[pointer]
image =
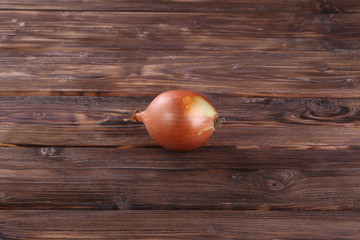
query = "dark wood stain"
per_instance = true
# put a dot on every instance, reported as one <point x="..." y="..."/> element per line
<point x="113" y="31"/>
<point x="284" y="76"/>
<point x="98" y="121"/>
<point x="208" y="178"/>
<point x="244" y="74"/>
<point x="180" y="225"/>
<point x="238" y="6"/>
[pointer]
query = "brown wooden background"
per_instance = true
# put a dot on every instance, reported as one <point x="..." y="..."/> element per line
<point x="284" y="74"/>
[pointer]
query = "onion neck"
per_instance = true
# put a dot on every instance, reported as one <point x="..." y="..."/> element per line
<point x="136" y="117"/>
<point x="218" y="121"/>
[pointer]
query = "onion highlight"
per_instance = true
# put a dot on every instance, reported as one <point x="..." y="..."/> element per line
<point x="179" y="120"/>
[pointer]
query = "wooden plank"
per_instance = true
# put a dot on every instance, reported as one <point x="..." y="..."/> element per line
<point x="94" y="72"/>
<point x="49" y="31"/>
<point x="97" y="121"/>
<point x="208" y="178"/>
<point x="178" y="225"/>
<point x="320" y="6"/>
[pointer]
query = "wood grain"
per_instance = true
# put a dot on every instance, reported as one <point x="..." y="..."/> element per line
<point x="283" y="74"/>
<point x="208" y="178"/>
<point x="112" y="54"/>
<point x="94" y="72"/>
<point x="259" y="122"/>
<point x="318" y="6"/>
<point x="49" y="31"/>
<point x="178" y="225"/>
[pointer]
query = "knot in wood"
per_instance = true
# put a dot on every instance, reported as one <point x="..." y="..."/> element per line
<point x="38" y="115"/>
<point x="349" y="81"/>
<point x="273" y="184"/>
<point x="21" y="24"/>
<point x="276" y="181"/>
<point x="325" y="108"/>
<point x="325" y="7"/>
<point x="48" y="151"/>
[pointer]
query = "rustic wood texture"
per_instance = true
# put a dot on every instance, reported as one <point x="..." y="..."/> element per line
<point x="112" y="54"/>
<point x="134" y="73"/>
<point x="284" y="75"/>
<point x="179" y="31"/>
<point x="209" y="178"/>
<point x="179" y="225"/>
<point x="315" y="6"/>
<point x="250" y="122"/>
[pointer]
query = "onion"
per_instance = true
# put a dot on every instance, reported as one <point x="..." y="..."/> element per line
<point x="179" y="120"/>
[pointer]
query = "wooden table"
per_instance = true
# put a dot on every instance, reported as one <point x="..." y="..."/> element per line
<point x="284" y="74"/>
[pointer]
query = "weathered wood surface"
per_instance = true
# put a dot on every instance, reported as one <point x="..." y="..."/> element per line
<point x="93" y="72"/>
<point x="112" y="54"/>
<point x="315" y="6"/>
<point x="208" y="178"/>
<point x="38" y="30"/>
<point x="284" y="75"/>
<point x="291" y="225"/>
<point x="250" y="122"/>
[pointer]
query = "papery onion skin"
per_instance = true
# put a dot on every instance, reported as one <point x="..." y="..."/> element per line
<point x="179" y="120"/>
